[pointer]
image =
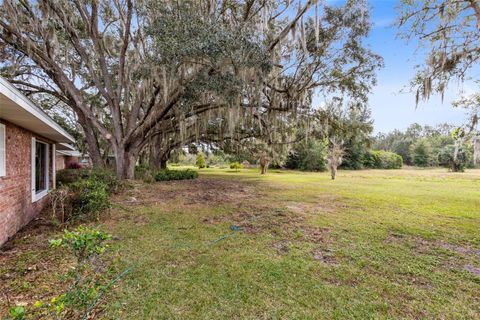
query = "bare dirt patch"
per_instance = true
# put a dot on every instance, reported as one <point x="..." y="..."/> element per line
<point x="324" y="256"/>
<point x="427" y="246"/>
<point x="473" y="270"/>
<point x="324" y="203"/>
<point x="316" y="235"/>
<point x="204" y="190"/>
<point x="464" y="250"/>
<point x="282" y="246"/>
<point x="458" y="257"/>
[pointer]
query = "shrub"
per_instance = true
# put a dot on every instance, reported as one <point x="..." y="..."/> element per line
<point x="67" y="176"/>
<point x="60" y="202"/>
<point x="382" y="160"/>
<point x="236" y="166"/>
<point x="214" y="160"/>
<point x="74" y="165"/>
<point x="106" y="176"/>
<point x="89" y="197"/>
<point x="445" y="158"/>
<point x="200" y="161"/>
<point x="308" y="156"/>
<point x="167" y="175"/>
<point x="140" y="171"/>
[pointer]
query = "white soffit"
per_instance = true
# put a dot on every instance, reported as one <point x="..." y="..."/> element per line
<point x="65" y="146"/>
<point x="19" y="110"/>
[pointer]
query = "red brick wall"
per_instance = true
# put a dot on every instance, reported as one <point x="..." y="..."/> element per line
<point x="16" y="207"/>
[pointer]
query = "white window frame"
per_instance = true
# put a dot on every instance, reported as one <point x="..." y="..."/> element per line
<point x="37" y="196"/>
<point x="3" y="150"/>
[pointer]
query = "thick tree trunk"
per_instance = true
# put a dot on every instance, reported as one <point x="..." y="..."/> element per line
<point x="125" y="162"/>
<point x="92" y="143"/>
<point x="163" y="164"/>
<point x="158" y="158"/>
<point x="264" y="161"/>
<point x="455" y="162"/>
<point x="158" y="161"/>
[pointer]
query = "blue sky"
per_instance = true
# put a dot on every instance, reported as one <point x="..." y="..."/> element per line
<point x="392" y="109"/>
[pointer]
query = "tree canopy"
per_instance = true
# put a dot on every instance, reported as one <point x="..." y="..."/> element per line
<point x="158" y="74"/>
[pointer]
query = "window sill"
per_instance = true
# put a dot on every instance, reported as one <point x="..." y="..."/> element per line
<point x="40" y="195"/>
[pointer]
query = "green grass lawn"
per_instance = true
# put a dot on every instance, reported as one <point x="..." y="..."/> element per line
<point x="370" y="245"/>
<point x="400" y="244"/>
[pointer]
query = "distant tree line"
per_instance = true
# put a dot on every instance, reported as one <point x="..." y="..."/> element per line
<point x="427" y="146"/>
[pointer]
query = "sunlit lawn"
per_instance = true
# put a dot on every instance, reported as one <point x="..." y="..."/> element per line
<point x="370" y="245"/>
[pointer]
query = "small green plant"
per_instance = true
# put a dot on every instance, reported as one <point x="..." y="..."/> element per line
<point x="85" y="278"/>
<point x="236" y="166"/>
<point x="16" y="313"/>
<point x="83" y="242"/>
<point x="167" y="175"/>
<point x="200" y="161"/>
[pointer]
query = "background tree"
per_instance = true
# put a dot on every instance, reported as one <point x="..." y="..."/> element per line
<point x="335" y="155"/>
<point x="308" y="155"/>
<point x="446" y="158"/>
<point x="420" y="152"/>
<point x="200" y="160"/>
<point x="400" y="142"/>
<point x="351" y="123"/>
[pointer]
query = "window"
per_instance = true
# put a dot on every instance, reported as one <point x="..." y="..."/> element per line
<point x="3" y="152"/>
<point x="39" y="169"/>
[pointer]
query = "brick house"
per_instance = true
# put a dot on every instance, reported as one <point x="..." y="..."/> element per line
<point x="66" y="155"/>
<point x="28" y="143"/>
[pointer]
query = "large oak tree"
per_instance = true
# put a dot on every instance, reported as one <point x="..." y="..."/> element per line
<point x="149" y="73"/>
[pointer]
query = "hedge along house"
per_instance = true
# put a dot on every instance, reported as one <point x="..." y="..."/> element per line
<point x="28" y="143"/>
